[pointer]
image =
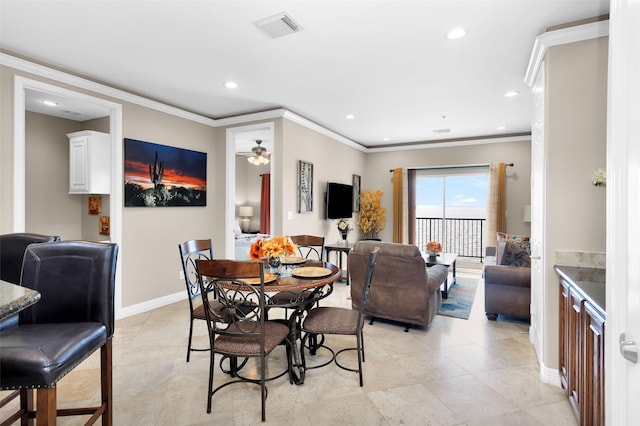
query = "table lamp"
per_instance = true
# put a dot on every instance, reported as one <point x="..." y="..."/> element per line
<point x="246" y="212"/>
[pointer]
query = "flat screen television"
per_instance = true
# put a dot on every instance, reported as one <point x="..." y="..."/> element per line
<point x="339" y="201"/>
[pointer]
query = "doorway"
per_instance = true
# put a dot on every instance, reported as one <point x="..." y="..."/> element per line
<point x="240" y="140"/>
<point x="23" y="87"/>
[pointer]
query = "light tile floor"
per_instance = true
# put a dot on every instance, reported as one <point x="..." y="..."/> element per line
<point x="457" y="372"/>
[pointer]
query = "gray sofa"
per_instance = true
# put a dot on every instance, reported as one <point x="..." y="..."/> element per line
<point x="403" y="289"/>
<point x="507" y="289"/>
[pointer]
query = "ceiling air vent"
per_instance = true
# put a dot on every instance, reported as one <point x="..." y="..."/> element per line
<point x="278" y="25"/>
<point x="441" y="130"/>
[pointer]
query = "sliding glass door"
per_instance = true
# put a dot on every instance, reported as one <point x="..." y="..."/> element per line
<point x="451" y="208"/>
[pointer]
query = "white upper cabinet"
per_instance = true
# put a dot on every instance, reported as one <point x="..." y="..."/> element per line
<point x="89" y="162"/>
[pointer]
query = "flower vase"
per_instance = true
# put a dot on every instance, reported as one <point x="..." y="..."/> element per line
<point x="275" y="263"/>
<point x="433" y="255"/>
<point x="344" y="239"/>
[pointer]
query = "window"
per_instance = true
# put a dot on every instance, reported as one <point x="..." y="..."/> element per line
<point x="451" y="208"/>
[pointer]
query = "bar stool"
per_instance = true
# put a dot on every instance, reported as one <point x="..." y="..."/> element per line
<point x="73" y="319"/>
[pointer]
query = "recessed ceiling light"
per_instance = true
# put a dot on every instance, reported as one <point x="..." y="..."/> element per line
<point x="385" y="139"/>
<point x="349" y="116"/>
<point x="456" y="34"/>
<point x="511" y="93"/>
<point x="502" y="127"/>
<point x="231" y="85"/>
<point x="49" y="103"/>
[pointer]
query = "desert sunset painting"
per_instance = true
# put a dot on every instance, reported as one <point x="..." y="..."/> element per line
<point x="159" y="175"/>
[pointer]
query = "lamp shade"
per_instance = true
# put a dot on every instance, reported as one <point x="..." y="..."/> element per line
<point x="245" y="211"/>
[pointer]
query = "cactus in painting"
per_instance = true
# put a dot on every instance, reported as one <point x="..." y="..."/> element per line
<point x="156" y="172"/>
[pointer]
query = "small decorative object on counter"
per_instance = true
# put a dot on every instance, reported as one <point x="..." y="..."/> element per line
<point x="433" y="248"/>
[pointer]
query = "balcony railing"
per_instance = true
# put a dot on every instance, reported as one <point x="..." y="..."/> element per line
<point x="465" y="237"/>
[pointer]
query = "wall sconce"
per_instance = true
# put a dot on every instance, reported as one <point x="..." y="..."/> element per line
<point x="527" y="213"/>
<point x="246" y="212"/>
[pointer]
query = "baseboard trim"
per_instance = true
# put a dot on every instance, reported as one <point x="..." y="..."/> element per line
<point x="550" y="376"/>
<point x="150" y="305"/>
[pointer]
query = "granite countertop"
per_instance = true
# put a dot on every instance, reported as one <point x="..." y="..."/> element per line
<point x="14" y="298"/>
<point x="590" y="280"/>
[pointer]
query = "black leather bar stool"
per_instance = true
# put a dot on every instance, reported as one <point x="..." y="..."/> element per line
<point x="74" y="318"/>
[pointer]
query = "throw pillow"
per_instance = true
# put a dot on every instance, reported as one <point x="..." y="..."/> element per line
<point x="517" y="253"/>
<point x="501" y="238"/>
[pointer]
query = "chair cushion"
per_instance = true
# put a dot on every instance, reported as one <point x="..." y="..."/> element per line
<point x="330" y="320"/>
<point x="38" y="355"/>
<point x="248" y="346"/>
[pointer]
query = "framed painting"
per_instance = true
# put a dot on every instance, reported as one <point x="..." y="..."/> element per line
<point x="356" y="192"/>
<point x="305" y="187"/>
<point x="163" y="176"/>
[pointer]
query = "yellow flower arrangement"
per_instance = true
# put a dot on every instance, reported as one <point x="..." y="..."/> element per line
<point x="372" y="214"/>
<point x="273" y="247"/>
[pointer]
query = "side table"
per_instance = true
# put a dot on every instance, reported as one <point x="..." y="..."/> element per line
<point x="340" y="249"/>
<point x="446" y="259"/>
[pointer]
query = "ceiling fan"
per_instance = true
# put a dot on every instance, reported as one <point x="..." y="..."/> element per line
<point x="258" y="155"/>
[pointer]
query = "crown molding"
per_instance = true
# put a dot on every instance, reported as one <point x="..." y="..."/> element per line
<point x="102" y="89"/>
<point x="559" y="37"/>
<point x="121" y="95"/>
<point x="452" y="143"/>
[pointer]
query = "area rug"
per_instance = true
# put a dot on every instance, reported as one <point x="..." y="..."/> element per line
<point x="460" y="300"/>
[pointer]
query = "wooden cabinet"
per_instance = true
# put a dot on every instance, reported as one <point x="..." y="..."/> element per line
<point x="582" y="327"/>
<point x="89" y="162"/>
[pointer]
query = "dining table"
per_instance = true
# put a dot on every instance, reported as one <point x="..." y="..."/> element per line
<point x="296" y="286"/>
<point x="14" y="298"/>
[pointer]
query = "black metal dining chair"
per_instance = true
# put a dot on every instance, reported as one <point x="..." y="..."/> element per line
<point x="239" y="329"/>
<point x="73" y="319"/>
<point x="309" y="246"/>
<point x="190" y="251"/>
<point x="333" y="320"/>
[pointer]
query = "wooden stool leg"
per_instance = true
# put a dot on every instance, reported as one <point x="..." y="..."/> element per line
<point x="106" y="381"/>
<point x="26" y="405"/>
<point x="46" y="406"/>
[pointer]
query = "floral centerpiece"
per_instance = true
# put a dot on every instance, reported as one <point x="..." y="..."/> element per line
<point x="272" y="248"/>
<point x="372" y="214"/>
<point x="433" y="248"/>
<point x="344" y="227"/>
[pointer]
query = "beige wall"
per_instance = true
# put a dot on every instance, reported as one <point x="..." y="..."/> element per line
<point x="575" y="138"/>
<point x="148" y="255"/>
<point x="332" y="162"/>
<point x="150" y="262"/>
<point x="49" y="207"/>
<point x="377" y="175"/>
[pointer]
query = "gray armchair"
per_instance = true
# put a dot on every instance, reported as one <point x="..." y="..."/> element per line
<point x="507" y="289"/>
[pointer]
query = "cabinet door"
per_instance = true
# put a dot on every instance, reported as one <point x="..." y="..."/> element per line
<point x="576" y="343"/>
<point x="593" y="398"/>
<point x="565" y="309"/>
<point x="79" y="165"/>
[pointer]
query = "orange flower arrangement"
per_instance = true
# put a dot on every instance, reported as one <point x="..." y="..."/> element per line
<point x="434" y="247"/>
<point x="273" y="247"/>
